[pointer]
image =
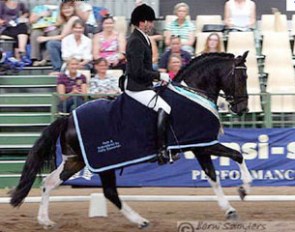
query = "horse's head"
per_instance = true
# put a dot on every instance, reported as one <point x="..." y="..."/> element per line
<point x="236" y="90"/>
<point x="212" y="72"/>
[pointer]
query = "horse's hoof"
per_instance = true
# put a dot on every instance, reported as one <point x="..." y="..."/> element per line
<point x="242" y="192"/>
<point x="48" y="227"/>
<point x="232" y="215"/>
<point x="143" y="225"/>
<point x="48" y="224"/>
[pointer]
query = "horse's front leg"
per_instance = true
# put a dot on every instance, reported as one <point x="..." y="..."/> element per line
<point x="208" y="167"/>
<point x="108" y="180"/>
<point x="221" y="150"/>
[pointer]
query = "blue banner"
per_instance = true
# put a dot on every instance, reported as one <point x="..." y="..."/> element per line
<point x="269" y="154"/>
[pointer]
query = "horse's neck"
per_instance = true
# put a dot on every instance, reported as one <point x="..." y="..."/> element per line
<point x="205" y="85"/>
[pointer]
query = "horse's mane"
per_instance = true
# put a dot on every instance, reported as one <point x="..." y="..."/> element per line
<point x="210" y="60"/>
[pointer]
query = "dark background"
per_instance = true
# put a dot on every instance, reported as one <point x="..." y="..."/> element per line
<point x="211" y="7"/>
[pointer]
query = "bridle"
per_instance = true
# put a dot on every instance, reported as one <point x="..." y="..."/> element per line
<point x="233" y="98"/>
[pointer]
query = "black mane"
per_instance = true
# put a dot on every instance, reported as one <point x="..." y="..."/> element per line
<point x="203" y="63"/>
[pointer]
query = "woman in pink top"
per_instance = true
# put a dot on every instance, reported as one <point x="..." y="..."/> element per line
<point x="109" y="44"/>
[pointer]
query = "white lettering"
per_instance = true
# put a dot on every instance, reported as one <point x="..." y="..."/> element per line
<point x="263" y="147"/>
<point x="291" y="150"/>
<point x="288" y="174"/>
<point x="249" y="151"/>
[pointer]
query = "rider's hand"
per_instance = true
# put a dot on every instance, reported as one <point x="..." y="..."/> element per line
<point x="165" y="77"/>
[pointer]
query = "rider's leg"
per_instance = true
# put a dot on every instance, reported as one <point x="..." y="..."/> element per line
<point x="158" y="104"/>
<point x="162" y="133"/>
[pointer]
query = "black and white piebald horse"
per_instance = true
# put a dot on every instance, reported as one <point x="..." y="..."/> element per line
<point x="204" y="77"/>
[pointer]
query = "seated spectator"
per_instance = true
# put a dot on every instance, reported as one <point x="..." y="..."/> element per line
<point x="43" y="19"/>
<point x="240" y="15"/>
<point x="77" y="45"/>
<point x="71" y="82"/>
<point x="102" y="83"/>
<point x="85" y="12"/>
<point x="66" y="19"/>
<point x="13" y="19"/>
<point x="174" y="65"/>
<point x="175" y="48"/>
<point x="213" y="43"/>
<point x="155" y="53"/>
<point x="110" y="45"/>
<point x="183" y="27"/>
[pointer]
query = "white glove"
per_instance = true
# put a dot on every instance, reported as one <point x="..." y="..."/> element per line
<point x="165" y="77"/>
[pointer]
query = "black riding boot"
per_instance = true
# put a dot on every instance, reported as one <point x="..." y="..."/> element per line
<point x="162" y="132"/>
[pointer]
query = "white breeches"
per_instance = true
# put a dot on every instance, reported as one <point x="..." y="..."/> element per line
<point x="147" y="98"/>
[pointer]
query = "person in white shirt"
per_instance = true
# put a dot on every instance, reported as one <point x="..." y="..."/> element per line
<point x="77" y="45"/>
<point x="240" y="15"/>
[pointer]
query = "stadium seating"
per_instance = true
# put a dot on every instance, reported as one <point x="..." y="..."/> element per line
<point x="273" y="23"/>
<point x="201" y="20"/>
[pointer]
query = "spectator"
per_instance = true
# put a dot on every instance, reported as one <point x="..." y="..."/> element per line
<point x="65" y="20"/>
<point x="77" y="45"/>
<point x="85" y="12"/>
<point x="102" y="83"/>
<point x="155" y="53"/>
<point x="71" y="82"/>
<point x="43" y="19"/>
<point x="175" y="45"/>
<point x="138" y="2"/>
<point x="110" y="44"/>
<point x="240" y="15"/>
<point x="182" y="27"/>
<point x="174" y="65"/>
<point x="213" y="43"/>
<point x="13" y="19"/>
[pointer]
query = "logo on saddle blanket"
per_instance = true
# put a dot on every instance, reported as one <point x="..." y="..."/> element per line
<point x="108" y="146"/>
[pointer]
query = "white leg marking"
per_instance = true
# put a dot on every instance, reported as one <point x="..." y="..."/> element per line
<point x="222" y="201"/>
<point x="133" y="216"/>
<point x="245" y="176"/>
<point x="50" y="183"/>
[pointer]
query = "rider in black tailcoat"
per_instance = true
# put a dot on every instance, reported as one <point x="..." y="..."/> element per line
<point x="140" y="74"/>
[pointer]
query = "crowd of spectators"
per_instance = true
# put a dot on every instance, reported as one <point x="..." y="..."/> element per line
<point x="70" y="38"/>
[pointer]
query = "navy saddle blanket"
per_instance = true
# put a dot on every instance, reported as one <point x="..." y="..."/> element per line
<point x="114" y="134"/>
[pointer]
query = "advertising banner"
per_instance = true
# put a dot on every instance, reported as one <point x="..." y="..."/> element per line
<point x="269" y="154"/>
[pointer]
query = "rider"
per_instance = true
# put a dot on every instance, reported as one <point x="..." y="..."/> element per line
<point x="140" y="74"/>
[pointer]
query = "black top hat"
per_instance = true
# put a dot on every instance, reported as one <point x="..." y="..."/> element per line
<point x="142" y="13"/>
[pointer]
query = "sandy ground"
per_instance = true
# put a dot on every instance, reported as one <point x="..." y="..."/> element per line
<point x="163" y="216"/>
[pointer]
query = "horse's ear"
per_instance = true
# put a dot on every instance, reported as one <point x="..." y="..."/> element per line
<point x="244" y="56"/>
<point x="242" y="59"/>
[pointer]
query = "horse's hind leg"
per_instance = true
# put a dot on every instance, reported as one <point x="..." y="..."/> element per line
<point x="208" y="167"/>
<point x="221" y="150"/>
<point x="108" y="180"/>
<point x="65" y="170"/>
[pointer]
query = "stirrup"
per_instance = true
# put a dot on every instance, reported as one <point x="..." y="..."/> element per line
<point x="163" y="157"/>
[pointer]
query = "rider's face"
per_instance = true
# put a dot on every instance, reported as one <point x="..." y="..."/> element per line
<point x="148" y="26"/>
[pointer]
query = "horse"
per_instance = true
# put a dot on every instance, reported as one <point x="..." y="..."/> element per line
<point x="205" y="75"/>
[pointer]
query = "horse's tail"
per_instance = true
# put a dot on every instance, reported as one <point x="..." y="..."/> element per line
<point x="40" y="155"/>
